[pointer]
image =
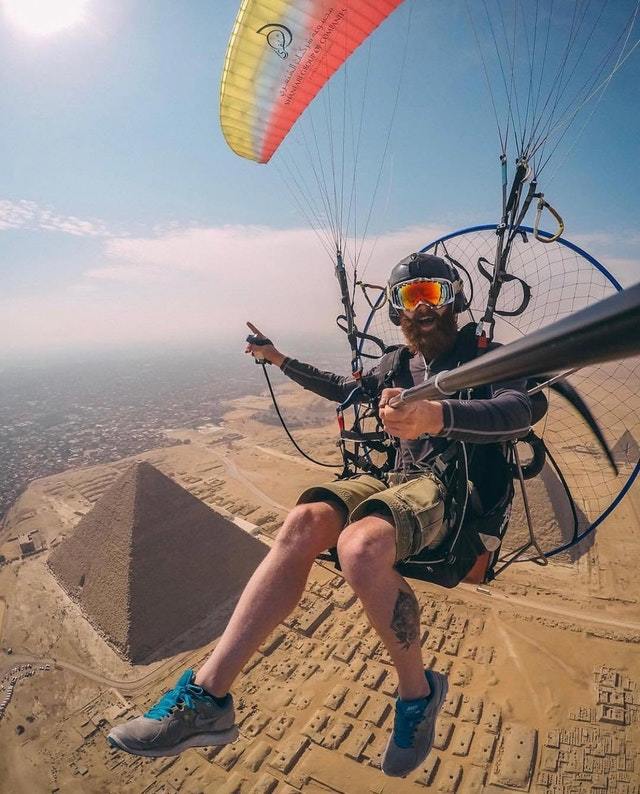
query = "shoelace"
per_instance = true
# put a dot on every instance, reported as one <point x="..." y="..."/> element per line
<point x="408" y="717"/>
<point x="182" y="694"/>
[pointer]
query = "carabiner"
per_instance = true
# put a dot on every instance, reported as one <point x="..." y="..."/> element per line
<point x="542" y="204"/>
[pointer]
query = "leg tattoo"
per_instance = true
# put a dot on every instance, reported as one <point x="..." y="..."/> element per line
<point x="406" y="619"/>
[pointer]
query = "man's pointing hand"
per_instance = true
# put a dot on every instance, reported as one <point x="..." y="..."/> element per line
<point x="267" y="352"/>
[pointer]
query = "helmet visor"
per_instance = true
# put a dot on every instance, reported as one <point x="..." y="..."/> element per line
<point x="433" y="291"/>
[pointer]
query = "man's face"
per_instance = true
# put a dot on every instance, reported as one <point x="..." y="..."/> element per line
<point x="429" y="330"/>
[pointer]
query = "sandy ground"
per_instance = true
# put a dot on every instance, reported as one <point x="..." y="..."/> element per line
<point x="535" y="660"/>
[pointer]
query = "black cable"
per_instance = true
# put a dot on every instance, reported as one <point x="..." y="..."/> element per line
<point x="286" y="429"/>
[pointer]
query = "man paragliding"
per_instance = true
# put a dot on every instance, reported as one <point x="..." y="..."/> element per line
<point x="443" y="503"/>
<point x="446" y="497"/>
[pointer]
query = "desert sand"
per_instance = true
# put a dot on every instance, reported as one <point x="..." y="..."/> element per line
<point x="543" y="663"/>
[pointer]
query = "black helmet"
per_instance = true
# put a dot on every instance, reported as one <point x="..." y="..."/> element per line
<point x="425" y="266"/>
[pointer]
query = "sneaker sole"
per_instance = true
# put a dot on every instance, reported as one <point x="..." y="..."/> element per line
<point x="197" y="740"/>
<point x="441" y="699"/>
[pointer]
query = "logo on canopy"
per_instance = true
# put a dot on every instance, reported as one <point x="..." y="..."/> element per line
<point x="279" y="37"/>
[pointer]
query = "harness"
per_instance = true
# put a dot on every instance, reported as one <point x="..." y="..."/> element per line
<point x="472" y="528"/>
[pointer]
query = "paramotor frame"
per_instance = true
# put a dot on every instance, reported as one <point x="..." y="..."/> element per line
<point x="562" y="278"/>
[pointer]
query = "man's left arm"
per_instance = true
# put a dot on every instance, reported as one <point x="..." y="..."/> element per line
<point x="505" y="416"/>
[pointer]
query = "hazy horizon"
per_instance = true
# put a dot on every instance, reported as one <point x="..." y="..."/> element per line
<point x="227" y="347"/>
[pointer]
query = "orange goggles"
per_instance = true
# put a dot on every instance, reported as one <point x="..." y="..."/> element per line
<point x="408" y="295"/>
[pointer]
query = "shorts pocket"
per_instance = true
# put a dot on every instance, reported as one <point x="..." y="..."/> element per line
<point x="430" y="527"/>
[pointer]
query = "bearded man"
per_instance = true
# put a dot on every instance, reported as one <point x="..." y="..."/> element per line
<point x="376" y="526"/>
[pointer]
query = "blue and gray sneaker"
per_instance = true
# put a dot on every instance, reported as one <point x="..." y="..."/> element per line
<point x="186" y="716"/>
<point x="414" y="728"/>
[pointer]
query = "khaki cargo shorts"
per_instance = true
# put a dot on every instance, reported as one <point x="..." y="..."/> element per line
<point x="416" y="505"/>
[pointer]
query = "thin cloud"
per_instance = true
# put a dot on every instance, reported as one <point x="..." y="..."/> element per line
<point x="626" y="271"/>
<point x="195" y="283"/>
<point x="14" y="214"/>
<point x="248" y="249"/>
<point x="25" y="214"/>
<point x="608" y="240"/>
<point x="616" y="251"/>
<point x="124" y="274"/>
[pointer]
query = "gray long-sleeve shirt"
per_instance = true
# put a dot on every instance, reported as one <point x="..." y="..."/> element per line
<point x="505" y="414"/>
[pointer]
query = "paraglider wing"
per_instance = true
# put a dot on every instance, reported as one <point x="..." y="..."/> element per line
<point x="279" y="56"/>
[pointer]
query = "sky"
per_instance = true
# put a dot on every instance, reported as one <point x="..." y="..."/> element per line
<point x="125" y="218"/>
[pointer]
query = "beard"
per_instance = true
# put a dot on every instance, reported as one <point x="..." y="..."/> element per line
<point x="429" y="332"/>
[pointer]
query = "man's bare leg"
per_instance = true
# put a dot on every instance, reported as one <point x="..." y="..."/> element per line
<point x="367" y="550"/>
<point x="273" y="591"/>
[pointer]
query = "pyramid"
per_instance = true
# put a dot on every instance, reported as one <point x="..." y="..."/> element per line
<point x="150" y="561"/>
<point x="626" y="449"/>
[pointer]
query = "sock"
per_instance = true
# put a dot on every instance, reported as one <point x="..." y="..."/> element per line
<point x="417" y="701"/>
<point x="219" y="701"/>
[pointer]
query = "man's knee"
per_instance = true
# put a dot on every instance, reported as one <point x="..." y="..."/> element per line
<point x="311" y="528"/>
<point x="367" y="546"/>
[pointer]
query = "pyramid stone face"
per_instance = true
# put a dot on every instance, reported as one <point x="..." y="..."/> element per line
<point x="150" y="561"/>
<point x="626" y="450"/>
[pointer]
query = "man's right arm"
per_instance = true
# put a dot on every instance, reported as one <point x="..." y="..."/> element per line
<point x="325" y="384"/>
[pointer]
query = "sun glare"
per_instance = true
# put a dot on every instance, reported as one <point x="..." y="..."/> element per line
<point x="43" y="17"/>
